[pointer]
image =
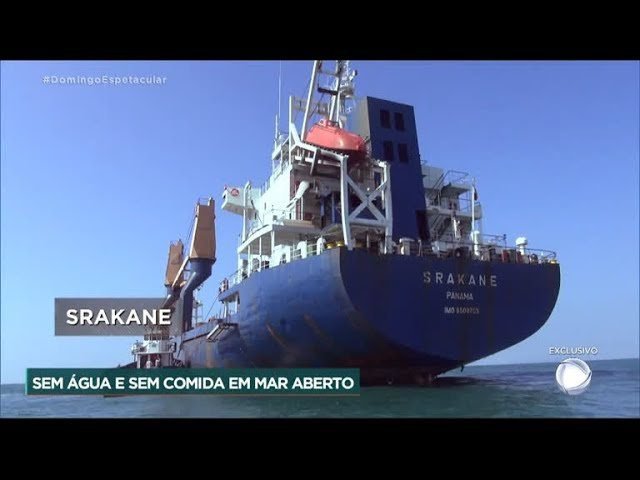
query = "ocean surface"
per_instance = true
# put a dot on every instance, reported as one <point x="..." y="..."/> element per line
<point x="500" y="391"/>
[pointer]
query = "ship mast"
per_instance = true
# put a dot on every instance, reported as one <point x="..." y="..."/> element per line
<point x="340" y="86"/>
<point x="370" y="216"/>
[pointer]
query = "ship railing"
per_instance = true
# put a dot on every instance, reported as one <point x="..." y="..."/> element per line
<point x="265" y="186"/>
<point x="455" y="176"/>
<point x="447" y="178"/>
<point x="233" y="279"/>
<point x="310" y="250"/>
<point x="281" y="212"/>
<point x="276" y="171"/>
<point x="494" y="248"/>
<point x="243" y="273"/>
<point x="489" y="239"/>
<point x="544" y="255"/>
<point x="465" y="205"/>
<point x="436" y="189"/>
<point x="512" y="254"/>
<point x="266" y="217"/>
<point x="252" y="226"/>
<point x="449" y="239"/>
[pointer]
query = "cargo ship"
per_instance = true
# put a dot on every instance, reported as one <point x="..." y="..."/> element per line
<point x="354" y="253"/>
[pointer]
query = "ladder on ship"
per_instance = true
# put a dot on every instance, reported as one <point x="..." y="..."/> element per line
<point x="220" y="329"/>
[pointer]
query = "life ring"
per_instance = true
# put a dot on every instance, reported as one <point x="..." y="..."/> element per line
<point x="234" y="192"/>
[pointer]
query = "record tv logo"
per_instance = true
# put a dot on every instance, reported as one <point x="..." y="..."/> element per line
<point x="573" y="376"/>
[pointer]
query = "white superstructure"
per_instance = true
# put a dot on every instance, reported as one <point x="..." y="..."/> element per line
<point x="305" y="202"/>
<point x="317" y="197"/>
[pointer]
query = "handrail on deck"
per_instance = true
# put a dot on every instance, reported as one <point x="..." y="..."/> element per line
<point x="493" y="252"/>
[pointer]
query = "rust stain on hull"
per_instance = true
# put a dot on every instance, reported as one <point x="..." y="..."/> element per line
<point x="279" y="340"/>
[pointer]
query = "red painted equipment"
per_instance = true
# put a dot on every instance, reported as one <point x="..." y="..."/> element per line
<point x="327" y="134"/>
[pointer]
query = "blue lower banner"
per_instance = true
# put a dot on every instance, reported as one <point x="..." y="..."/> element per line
<point x="182" y="381"/>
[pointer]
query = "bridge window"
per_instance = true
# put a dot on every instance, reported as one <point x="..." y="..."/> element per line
<point x="385" y="118"/>
<point x="387" y="147"/>
<point x="399" y="120"/>
<point x="403" y="153"/>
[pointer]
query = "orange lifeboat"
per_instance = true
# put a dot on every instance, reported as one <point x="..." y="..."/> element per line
<point x="327" y="134"/>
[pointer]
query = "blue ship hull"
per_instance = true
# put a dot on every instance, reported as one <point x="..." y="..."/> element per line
<point x="394" y="317"/>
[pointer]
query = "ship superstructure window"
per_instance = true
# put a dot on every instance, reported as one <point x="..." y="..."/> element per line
<point x="399" y="121"/>
<point x="403" y="152"/>
<point x="387" y="148"/>
<point x="377" y="179"/>
<point x="385" y="118"/>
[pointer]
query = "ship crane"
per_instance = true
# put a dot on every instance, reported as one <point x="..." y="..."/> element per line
<point x="202" y="256"/>
<point x="183" y="276"/>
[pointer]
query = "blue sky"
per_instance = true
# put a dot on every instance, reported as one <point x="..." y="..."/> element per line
<point x="97" y="180"/>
